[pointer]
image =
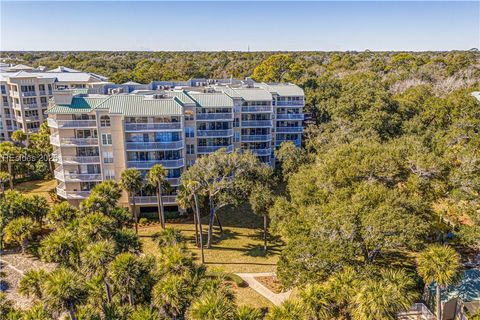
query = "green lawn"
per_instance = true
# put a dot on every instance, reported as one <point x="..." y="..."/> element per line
<point x="239" y="249"/>
<point x="39" y="187"/>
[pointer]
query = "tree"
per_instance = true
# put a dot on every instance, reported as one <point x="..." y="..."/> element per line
<point x="157" y="177"/>
<point x="277" y="68"/>
<point x="248" y="313"/>
<point x="19" y="136"/>
<point x="144" y="313"/>
<point x="439" y="264"/>
<point x="62" y="214"/>
<point x="291" y="159"/>
<point x="261" y="200"/>
<point x="9" y="154"/>
<point x="288" y="310"/>
<point x="210" y="306"/>
<point x="20" y="231"/>
<point x="103" y="198"/>
<point x="62" y="246"/>
<point x="96" y="227"/>
<point x="169" y="237"/>
<point x="31" y="283"/>
<point x="132" y="183"/>
<point x="64" y="290"/>
<point x="171" y="295"/>
<point x="4" y="177"/>
<point x="37" y="208"/>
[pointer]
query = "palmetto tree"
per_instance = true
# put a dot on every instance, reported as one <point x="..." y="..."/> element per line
<point x="157" y="176"/>
<point x="439" y="264"/>
<point x="4" y="177"/>
<point x="8" y="155"/>
<point x="64" y="290"/>
<point x="248" y="313"/>
<point x="19" y="230"/>
<point x="31" y="283"/>
<point x="171" y="295"/>
<point x="288" y="310"/>
<point x="212" y="306"/>
<point x="95" y="259"/>
<point x="132" y="183"/>
<point x="124" y="272"/>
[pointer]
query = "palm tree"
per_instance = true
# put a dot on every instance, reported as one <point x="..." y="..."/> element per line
<point x="37" y="312"/>
<point x="124" y="271"/>
<point x="171" y="295"/>
<point x="144" y="313"/>
<point x="212" y="306"/>
<point x="189" y="191"/>
<point x="439" y="264"/>
<point x="4" y="177"/>
<point x="31" y="283"/>
<point x="317" y="302"/>
<point x="157" y="177"/>
<point x="261" y="200"/>
<point x="19" y="230"/>
<point x="64" y="290"/>
<point x="248" y="313"/>
<point x="62" y="214"/>
<point x="169" y="237"/>
<point x="95" y="259"/>
<point x="288" y="310"/>
<point x="8" y="154"/>
<point x="132" y="183"/>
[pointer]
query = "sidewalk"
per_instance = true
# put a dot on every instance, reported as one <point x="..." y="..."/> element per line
<point x="275" y="298"/>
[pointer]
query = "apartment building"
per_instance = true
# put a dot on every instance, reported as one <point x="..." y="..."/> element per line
<point x="25" y="92"/>
<point x="97" y="136"/>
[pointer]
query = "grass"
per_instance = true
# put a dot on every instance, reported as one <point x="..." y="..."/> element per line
<point x="38" y="187"/>
<point x="238" y="249"/>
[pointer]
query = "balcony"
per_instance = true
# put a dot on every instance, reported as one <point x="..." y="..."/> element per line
<point x="289" y="129"/>
<point x="215" y="116"/>
<point x="76" y="159"/>
<point x="167" y="200"/>
<point x="12" y="128"/>
<point x="134" y="146"/>
<point x="76" y="177"/>
<point x="296" y="142"/>
<point x="72" y="195"/>
<point x="253" y="109"/>
<point x="29" y="94"/>
<point x="257" y="123"/>
<point x="290" y="116"/>
<point x="43" y="92"/>
<point x="147" y="164"/>
<point x="253" y="138"/>
<point x="52" y="123"/>
<point x="132" y="127"/>
<point x="261" y="152"/>
<point x="30" y="106"/>
<point x="73" y="142"/>
<point x="210" y="149"/>
<point x="32" y="118"/>
<point x="215" y="133"/>
<point x="44" y="104"/>
<point x="291" y="103"/>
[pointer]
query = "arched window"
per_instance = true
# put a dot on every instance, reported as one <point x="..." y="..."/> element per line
<point x="104" y="121"/>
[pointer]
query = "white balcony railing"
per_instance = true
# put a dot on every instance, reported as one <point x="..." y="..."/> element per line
<point x="78" y="159"/>
<point x="215" y="116"/>
<point x="73" y="142"/>
<point x="52" y="123"/>
<point x="30" y="106"/>
<point x="167" y="200"/>
<point x="250" y="109"/>
<point x="175" y="145"/>
<point x="261" y="152"/>
<point x="210" y="149"/>
<point x="29" y="94"/>
<point x="291" y="103"/>
<point x="257" y="123"/>
<point x="215" y="133"/>
<point x="263" y="137"/>
<point x="152" y="126"/>
<point x="291" y="116"/>
<point x="289" y="129"/>
<point x="73" y="195"/>
<point x="296" y="142"/>
<point x="177" y="163"/>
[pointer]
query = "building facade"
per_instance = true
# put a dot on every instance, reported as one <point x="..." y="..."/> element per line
<point x="25" y="94"/>
<point x="96" y="135"/>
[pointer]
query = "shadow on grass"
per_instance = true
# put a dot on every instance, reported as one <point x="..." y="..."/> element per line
<point x="258" y="250"/>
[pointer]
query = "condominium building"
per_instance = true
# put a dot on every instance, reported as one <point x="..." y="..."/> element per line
<point x="25" y="93"/>
<point x="96" y="135"/>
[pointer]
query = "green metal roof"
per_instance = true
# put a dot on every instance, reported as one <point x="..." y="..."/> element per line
<point x="212" y="99"/>
<point x="253" y="94"/>
<point x="283" y="89"/>
<point x="78" y="105"/>
<point x="181" y="95"/>
<point x="135" y="105"/>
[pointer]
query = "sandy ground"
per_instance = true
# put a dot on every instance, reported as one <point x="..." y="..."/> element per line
<point x="14" y="265"/>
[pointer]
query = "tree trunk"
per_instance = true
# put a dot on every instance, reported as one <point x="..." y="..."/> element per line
<point x="135" y="217"/>
<point x="130" y="298"/>
<point x="10" y="178"/>
<point x="161" y="214"/>
<point x="71" y="312"/>
<point x="107" y="291"/>
<point x="439" y="302"/>
<point x="265" y="232"/>
<point x="197" y="213"/>
<point x="196" y="226"/>
<point x="211" y="216"/>
<point x="219" y="223"/>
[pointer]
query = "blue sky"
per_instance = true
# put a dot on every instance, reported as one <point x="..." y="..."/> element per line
<point x="213" y="26"/>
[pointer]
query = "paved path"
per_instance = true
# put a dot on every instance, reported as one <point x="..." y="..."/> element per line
<point x="275" y="298"/>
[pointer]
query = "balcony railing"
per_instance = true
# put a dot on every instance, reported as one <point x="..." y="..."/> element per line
<point x="257" y="123"/>
<point x="215" y="133"/>
<point x="78" y="159"/>
<point x="72" y="194"/>
<point x="30" y="106"/>
<point x="29" y="94"/>
<point x="215" y="116"/>
<point x="72" y="176"/>
<point x="291" y="103"/>
<point x="52" y="123"/>
<point x="257" y="109"/>
<point x="296" y="142"/>
<point x="175" y="145"/>
<point x="152" y="126"/>
<point x="32" y="118"/>
<point x="290" y="116"/>
<point x="153" y="200"/>
<point x="289" y="129"/>
<point x="11" y="128"/>
<point x="262" y="137"/>
<point x="73" y="142"/>
<point x="177" y="163"/>
<point x="261" y="152"/>
<point x="210" y="149"/>
<point x="42" y="92"/>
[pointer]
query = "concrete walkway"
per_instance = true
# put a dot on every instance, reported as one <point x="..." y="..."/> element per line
<point x="275" y="298"/>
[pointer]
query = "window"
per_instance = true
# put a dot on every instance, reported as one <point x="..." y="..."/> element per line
<point x="190" y="149"/>
<point x="104" y="121"/>
<point x="106" y="139"/>
<point x="108" y="157"/>
<point x="189" y="132"/>
<point x="189" y="115"/>
<point x="110" y="174"/>
<point x="237" y="136"/>
<point x="3" y="89"/>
